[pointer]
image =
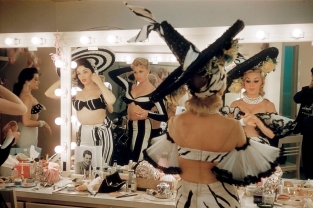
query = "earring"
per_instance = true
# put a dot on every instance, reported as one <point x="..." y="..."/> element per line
<point x="27" y="88"/>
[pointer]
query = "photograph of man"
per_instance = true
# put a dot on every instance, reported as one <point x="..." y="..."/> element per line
<point x="84" y="165"/>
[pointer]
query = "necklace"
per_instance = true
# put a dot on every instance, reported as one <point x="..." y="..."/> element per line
<point x="252" y="101"/>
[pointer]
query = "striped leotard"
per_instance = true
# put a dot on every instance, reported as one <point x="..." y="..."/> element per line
<point x="139" y="131"/>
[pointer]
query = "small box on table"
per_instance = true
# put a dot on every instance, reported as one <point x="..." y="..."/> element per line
<point x="26" y="169"/>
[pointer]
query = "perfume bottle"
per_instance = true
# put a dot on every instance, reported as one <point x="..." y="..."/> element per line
<point x="114" y="167"/>
<point x="130" y="179"/>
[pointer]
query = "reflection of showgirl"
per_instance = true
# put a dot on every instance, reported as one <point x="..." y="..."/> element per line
<point x="93" y="102"/>
<point x="257" y="115"/>
<point x="137" y="97"/>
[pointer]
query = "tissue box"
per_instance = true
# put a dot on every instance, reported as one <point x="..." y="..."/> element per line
<point x="143" y="184"/>
<point x="26" y="169"/>
<point x="15" y="151"/>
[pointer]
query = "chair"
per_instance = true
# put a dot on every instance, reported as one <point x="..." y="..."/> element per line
<point x="293" y="149"/>
<point x="9" y="198"/>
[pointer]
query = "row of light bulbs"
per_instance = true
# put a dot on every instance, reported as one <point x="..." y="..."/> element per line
<point x="296" y="33"/>
<point x="63" y="120"/>
<point x="41" y="41"/>
<point x="15" y="41"/>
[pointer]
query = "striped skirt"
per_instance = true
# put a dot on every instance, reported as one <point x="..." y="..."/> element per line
<point x="196" y="195"/>
<point x="98" y="135"/>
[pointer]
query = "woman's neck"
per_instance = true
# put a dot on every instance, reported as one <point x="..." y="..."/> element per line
<point x="252" y="100"/>
<point x="26" y="91"/>
<point x="252" y="96"/>
<point x="90" y="86"/>
<point x="144" y="83"/>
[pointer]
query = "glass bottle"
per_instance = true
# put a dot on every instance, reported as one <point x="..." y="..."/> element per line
<point x="26" y="153"/>
<point x="31" y="170"/>
<point x="130" y="179"/>
<point x="114" y="167"/>
<point x="14" y="173"/>
<point x="133" y="184"/>
<point x="130" y="165"/>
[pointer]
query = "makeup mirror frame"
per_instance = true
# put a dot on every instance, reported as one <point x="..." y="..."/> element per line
<point x="201" y="37"/>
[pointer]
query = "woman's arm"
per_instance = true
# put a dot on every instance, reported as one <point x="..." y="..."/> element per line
<point x="50" y="91"/>
<point x="238" y="135"/>
<point x="26" y="117"/>
<point x="108" y="96"/>
<point x="115" y="76"/>
<point x="161" y="115"/>
<point x="10" y="103"/>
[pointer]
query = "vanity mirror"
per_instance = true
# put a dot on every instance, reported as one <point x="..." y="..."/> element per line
<point x="13" y="60"/>
<point x="276" y="35"/>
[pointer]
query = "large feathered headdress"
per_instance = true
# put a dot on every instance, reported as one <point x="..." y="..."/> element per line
<point x="208" y="63"/>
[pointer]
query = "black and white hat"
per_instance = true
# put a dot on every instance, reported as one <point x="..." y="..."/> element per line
<point x="208" y="63"/>
<point x="264" y="60"/>
<point x="100" y="59"/>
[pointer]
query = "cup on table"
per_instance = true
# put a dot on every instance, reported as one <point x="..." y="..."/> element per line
<point x="250" y="190"/>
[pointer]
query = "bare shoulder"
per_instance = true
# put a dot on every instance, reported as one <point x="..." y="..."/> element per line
<point x="269" y="106"/>
<point x="236" y="103"/>
<point x="26" y="97"/>
<point x="226" y="121"/>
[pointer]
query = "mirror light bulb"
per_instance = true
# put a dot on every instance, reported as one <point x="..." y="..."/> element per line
<point x="73" y="91"/>
<point x="58" y="92"/>
<point x="84" y="40"/>
<point x="73" y="119"/>
<point x="36" y="40"/>
<point x="73" y="145"/>
<point x="112" y="39"/>
<point x="59" y="121"/>
<point x="260" y="35"/>
<point x="59" y="149"/>
<point x="297" y="33"/>
<point x="9" y="41"/>
<point x="73" y="64"/>
<point x="59" y="63"/>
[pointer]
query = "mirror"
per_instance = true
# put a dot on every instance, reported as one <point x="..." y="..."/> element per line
<point x="12" y="62"/>
<point x="279" y="37"/>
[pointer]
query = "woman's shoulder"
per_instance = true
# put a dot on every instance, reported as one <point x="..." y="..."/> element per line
<point x="269" y="106"/>
<point x="226" y="121"/>
<point x="236" y="103"/>
<point x="27" y="97"/>
<point x="267" y="101"/>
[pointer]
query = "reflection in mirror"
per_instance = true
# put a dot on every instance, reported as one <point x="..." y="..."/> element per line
<point x="158" y="73"/>
<point x="12" y="62"/>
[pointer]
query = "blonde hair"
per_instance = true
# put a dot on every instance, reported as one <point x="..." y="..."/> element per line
<point x="204" y="106"/>
<point x="141" y="62"/>
<point x="153" y="80"/>
<point x="257" y="70"/>
<point x="172" y="100"/>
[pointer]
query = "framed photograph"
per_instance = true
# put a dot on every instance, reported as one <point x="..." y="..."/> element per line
<point x="86" y="156"/>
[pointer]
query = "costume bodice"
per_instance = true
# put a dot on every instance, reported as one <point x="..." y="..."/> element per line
<point x="37" y="108"/>
<point x="200" y="155"/>
<point x="143" y="101"/>
<point x="92" y="104"/>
